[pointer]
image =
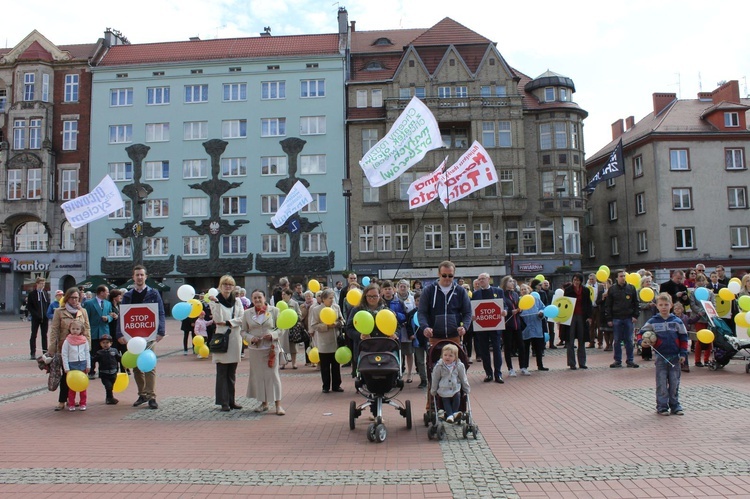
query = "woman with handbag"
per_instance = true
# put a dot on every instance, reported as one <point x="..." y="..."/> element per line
<point x="260" y="332"/>
<point x="327" y="337"/>
<point x="227" y="312"/>
<point x="284" y="337"/>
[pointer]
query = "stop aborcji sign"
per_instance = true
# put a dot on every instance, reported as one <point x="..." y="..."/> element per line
<point x="488" y="315"/>
<point x="141" y="320"/>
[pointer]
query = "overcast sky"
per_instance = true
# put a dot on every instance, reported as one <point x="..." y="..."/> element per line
<point x="618" y="54"/>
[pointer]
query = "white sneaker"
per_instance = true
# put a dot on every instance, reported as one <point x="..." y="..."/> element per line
<point x="525" y="372"/>
<point x="512" y="373"/>
<point x="441" y="414"/>
<point x="449" y="419"/>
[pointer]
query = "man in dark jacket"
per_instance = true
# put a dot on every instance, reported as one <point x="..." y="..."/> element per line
<point x="484" y="339"/>
<point x="445" y="308"/>
<point x="37" y="307"/>
<point x="676" y="289"/>
<point x="621" y="311"/>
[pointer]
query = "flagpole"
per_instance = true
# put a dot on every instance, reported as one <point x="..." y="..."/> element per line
<point x="627" y="217"/>
<point x="447" y="197"/>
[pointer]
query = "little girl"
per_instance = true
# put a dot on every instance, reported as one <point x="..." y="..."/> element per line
<point x="76" y="356"/>
<point x="201" y="327"/>
<point x="448" y="377"/>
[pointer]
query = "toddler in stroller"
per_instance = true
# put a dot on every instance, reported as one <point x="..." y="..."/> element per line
<point x="723" y="348"/>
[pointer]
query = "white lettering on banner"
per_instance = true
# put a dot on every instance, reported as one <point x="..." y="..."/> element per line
<point x="424" y="189"/>
<point x="100" y="202"/>
<point x="473" y="171"/>
<point x="29" y="266"/>
<point x="298" y="198"/>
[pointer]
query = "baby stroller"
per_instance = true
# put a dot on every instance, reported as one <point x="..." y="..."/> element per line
<point x="436" y="427"/>
<point x="379" y="381"/>
<point x="723" y="349"/>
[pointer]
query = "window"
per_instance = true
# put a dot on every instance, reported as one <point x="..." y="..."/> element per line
<point x="157" y="132"/>
<point x="31" y="236"/>
<point x="195" y="245"/>
<point x="157" y="96"/>
<point x="369" y="138"/>
<point x="404" y="93"/>
<point x="68" y="184"/>
<point x="731" y="119"/>
<point x="547" y="236"/>
<point x="155" y="246"/>
<point x="482" y="236"/>
<point x="501" y="91"/>
<point x="612" y="210"/>
<point x="678" y="159"/>
<point x="734" y="159"/>
<point x="592" y="249"/>
<point x="614" y="246"/>
<point x="312" y="88"/>
<point x="195" y="130"/>
<point x="194" y="207"/>
<point x="561" y="136"/>
<point x="684" y="238"/>
<point x="572" y="236"/>
<point x="545" y="136"/>
<point x="234" y="129"/>
<point x="273" y="90"/>
<point x="640" y="203"/>
<point x="610" y="182"/>
<point x="15" y="185"/>
<point x="384" y="238"/>
<point x="3" y="99"/>
<point x="574" y="136"/>
<point x="490" y="191"/>
<point x="433" y="237"/>
<point x="462" y="91"/>
<point x="194" y="168"/>
<point x="485" y="91"/>
<point x="123" y="213"/>
<point x="319" y="204"/>
<point x="120" y="97"/>
<point x="444" y="92"/>
<point x="739" y="237"/>
<point x="402" y="237"/>
<point x="35" y="133"/>
<point x="273" y="165"/>
<point x="121" y="172"/>
<point x="235" y="92"/>
<point x="638" y="166"/>
<point x="488" y="134"/>
<point x="157" y="208"/>
<point x="312" y="125"/>
<point x="419" y="92"/>
<point x="529" y="239"/>
<point x="45" y="87"/>
<point x="457" y="236"/>
<point x="366" y="238"/>
<point x="274" y="243"/>
<point x="563" y="94"/>
<point x="503" y="132"/>
<point x="70" y="135"/>
<point x="404" y="181"/>
<point x="455" y="137"/>
<point x="233" y="167"/>
<point x="369" y="194"/>
<point x="34" y="183"/>
<point x="234" y="245"/>
<point x="549" y="94"/>
<point x="362" y="98"/>
<point x="272" y="127"/>
<point x="67" y="237"/>
<point x="269" y="203"/>
<point x="642" y="242"/>
<point x="234" y="205"/>
<point x="19" y="134"/>
<point x="511" y="238"/>
<point x="682" y="198"/>
<point x="312" y="164"/>
<point x="156" y="170"/>
<point x="376" y="95"/>
<point x="28" y="86"/>
<point x="71" y="88"/>
<point x="119" y="248"/>
<point x="196" y="93"/>
<point x="314" y="243"/>
<point x="737" y="197"/>
<point x="120" y="134"/>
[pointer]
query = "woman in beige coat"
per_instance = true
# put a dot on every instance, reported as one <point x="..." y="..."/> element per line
<point x="227" y="313"/>
<point x="70" y="309"/>
<point x="325" y="337"/>
<point x="259" y="329"/>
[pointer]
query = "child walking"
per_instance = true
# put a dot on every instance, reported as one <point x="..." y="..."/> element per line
<point x="76" y="357"/>
<point x="448" y="377"/>
<point x="670" y="344"/>
<point x="108" y="359"/>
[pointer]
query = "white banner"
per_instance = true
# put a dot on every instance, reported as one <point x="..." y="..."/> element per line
<point x="424" y="189"/>
<point x="100" y="202"/>
<point x="298" y="198"/>
<point x="413" y="134"/>
<point x="473" y="171"/>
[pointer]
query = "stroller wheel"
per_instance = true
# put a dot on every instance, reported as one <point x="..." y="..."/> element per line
<point x="352" y="414"/>
<point x="441" y="431"/>
<point x="465" y="430"/>
<point x="430" y="431"/>
<point x="371" y="432"/>
<point x="380" y="433"/>
<point x="407" y="414"/>
<point x="712" y="365"/>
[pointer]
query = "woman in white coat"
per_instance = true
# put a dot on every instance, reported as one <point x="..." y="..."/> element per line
<point x="325" y="336"/>
<point x="227" y="314"/>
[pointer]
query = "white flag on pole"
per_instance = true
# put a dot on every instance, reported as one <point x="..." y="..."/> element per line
<point x="473" y="171"/>
<point x="298" y="198"/>
<point x="104" y="199"/>
<point x="423" y="190"/>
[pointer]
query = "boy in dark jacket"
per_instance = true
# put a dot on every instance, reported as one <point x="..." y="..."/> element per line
<point x="108" y="359"/>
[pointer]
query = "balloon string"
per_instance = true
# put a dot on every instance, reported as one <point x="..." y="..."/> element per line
<point x="663" y="357"/>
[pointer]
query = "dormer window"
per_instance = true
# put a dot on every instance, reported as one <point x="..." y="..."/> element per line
<point x="549" y="94"/>
<point x="383" y="41"/>
<point x="564" y="94"/>
<point x="731" y="120"/>
<point x="374" y="66"/>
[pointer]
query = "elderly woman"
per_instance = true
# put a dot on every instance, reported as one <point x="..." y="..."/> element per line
<point x="533" y="333"/>
<point x="286" y="297"/>
<point x="227" y="312"/>
<point x="326" y="338"/>
<point x="262" y="336"/>
<point x="70" y="309"/>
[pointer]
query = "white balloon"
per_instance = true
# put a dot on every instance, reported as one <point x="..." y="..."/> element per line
<point x="734" y="287"/>
<point x="186" y="292"/>
<point x="559" y="293"/>
<point x="136" y="345"/>
<point x="213" y="292"/>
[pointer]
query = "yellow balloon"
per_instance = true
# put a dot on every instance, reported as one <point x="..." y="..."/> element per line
<point x="353" y="297"/>
<point x="313" y="285"/>
<point x="526" y="302"/>
<point x="646" y="294"/>
<point x="203" y="351"/>
<point x="195" y="308"/>
<point x="725" y="294"/>
<point x="121" y="382"/>
<point x="601" y="275"/>
<point x="314" y="355"/>
<point x="539" y="277"/>
<point x="633" y="279"/>
<point x="736" y="279"/>
<point x="198" y="341"/>
<point x="327" y="315"/>
<point x="77" y="381"/>
<point x="705" y="336"/>
<point x="741" y="320"/>
<point x="386" y="322"/>
<point x="244" y="342"/>
<point x="605" y="269"/>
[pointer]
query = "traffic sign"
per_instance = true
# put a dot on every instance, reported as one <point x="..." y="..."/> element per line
<point x="488" y="315"/>
<point x="141" y="320"/>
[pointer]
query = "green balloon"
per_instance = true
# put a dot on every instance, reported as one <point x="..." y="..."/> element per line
<point x="282" y="305"/>
<point x="744" y="303"/>
<point x="343" y="355"/>
<point x="364" y="322"/>
<point x="129" y="360"/>
<point x="287" y="318"/>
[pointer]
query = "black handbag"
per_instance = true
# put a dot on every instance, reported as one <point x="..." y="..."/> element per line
<point x="220" y="341"/>
<point x="298" y="334"/>
<point x="340" y="339"/>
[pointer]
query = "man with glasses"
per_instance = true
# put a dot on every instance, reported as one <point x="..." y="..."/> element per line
<point x="621" y="311"/>
<point x="723" y="279"/>
<point x="444" y="308"/>
<point x="350" y="279"/>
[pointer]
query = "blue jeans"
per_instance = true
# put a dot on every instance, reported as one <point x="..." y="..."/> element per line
<point x="482" y="341"/>
<point x="452" y="404"/>
<point x="623" y="331"/>
<point x="667" y="385"/>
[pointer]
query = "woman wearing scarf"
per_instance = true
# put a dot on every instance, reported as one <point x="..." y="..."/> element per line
<point x="512" y="336"/>
<point x="70" y="309"/>
<point x="259" y="326"/>
<point x="227" y="313"/>
<point x="326" y="336"/>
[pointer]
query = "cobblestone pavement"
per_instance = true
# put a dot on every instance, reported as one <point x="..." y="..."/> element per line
<point x="561" y="433"/>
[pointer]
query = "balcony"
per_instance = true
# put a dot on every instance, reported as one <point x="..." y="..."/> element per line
<point x="565" y="206"/>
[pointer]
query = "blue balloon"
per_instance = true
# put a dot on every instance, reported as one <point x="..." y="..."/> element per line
<point x="546" y="337"/>
<point x="365" y="281"/>
<point x="146" y="361"/>
<point x="415" y="320"/>
<point x="536" y="295"/>
<point x="181" y="311"/>
<point x="702" y="294"/>
<point x="551" y="311"/>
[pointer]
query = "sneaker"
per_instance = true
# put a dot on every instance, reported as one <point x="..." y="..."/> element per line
<point x="663" y="412"/>
<point x="633" y="365"/>
<point x="449" y="419"/>
<point x="72" y="408"/>
<point x="152" y="404"/>
<point x="140" y="401"/>
<point x="184" y="353"/>
<point x="525" y="372"/>
<point x="457" y="416"/>
<point x="512" y="373"/>
<point x="441" y="414"/>
<point x="678" y="412"/>
<point x="615" y="364"/>
<point x="82" y="408"/>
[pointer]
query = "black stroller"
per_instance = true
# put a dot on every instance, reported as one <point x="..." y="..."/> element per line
<point x="723" y="348"/>
<point x="435" y="426"/>
<point x="379" y="381"/>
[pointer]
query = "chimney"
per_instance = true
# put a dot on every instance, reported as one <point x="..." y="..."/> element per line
<point x="705" y="96"/>
<point x="343" y="18"/>
<point x="629" y="122"/>
<point x="195" y="38"/>
<point x="266" y="31"/>
<point x="353" y="23"/>
<point x="617" y="129"/>
<point x="661" y="101"/>
<point x="728" y="92"/>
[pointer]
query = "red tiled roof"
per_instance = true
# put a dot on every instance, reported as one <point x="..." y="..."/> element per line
<point x="79" y="51"/>
<point x="228" y="48"/>
<point x="451" y="32"/>
<point x="389" y="62"/>
<point x="35" y="52"/>
<point x="363" y="41"/>
<point x="431" y="56"/>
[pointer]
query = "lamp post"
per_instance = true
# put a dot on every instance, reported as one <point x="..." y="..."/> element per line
<point x="346" y="187"/>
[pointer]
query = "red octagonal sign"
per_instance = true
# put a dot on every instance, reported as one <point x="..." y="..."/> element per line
<point x="488" y="315"/>
<point x="139" y="320"/>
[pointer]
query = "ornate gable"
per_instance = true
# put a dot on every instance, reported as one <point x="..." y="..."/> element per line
<point x="35" y="47"/>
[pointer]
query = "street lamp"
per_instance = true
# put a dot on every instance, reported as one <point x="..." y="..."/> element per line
<point x="346" y="187"/>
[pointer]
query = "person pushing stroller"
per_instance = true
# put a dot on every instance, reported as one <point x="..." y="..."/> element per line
<point x="448" y="379"/>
